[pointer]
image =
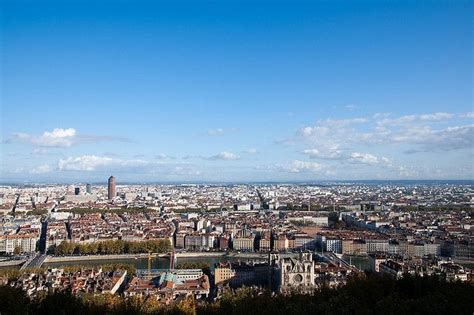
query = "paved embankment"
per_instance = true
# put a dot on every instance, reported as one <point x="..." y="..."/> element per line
<point x="200" y="254"/>
<point x="51" y="259"/>
<point x="230" y="255"/>
<point x="11" y="263"/>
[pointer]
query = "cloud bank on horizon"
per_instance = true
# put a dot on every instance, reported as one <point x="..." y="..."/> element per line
<point x="376" y="147"/>
<point x="227" y="92"/>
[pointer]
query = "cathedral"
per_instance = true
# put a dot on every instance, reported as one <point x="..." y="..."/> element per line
<point x="293" y="274"/>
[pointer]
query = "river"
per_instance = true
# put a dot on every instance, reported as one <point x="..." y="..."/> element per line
<point x="359" y="262"/>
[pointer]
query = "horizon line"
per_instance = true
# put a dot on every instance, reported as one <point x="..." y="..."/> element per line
<point x="95" y="182"/>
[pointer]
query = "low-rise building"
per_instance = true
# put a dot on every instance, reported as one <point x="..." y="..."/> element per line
<point x="244" y="243"/>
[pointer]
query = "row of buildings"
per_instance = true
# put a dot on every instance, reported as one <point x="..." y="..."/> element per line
<point x="97" y="227"/>
<point x="168" y="285"/>
<point x="19" y="235"/>
<point x="364" y="246"/>
<point x="83" y="280"/>
<point x="162" y="285"/>
<point x="396" y="266"/>
<point x="263" y="242"/>
<point x="283" y="273"/>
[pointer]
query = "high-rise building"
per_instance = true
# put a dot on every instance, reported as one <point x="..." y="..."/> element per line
<point x="88" y="188"/>
<point x="111" y="189"/>
<point x="77" y="190"/>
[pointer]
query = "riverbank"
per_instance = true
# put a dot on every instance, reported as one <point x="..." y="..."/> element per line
<point x="58" y="259"/>
<point x="12" y="263"/>
<point x="54" y="259"/>
<point x="221" y="254"/>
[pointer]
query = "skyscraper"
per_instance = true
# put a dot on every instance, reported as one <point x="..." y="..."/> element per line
<point x="88" y="188"/>
<point x="77" y="191"/>
<point x="111" y="190"/>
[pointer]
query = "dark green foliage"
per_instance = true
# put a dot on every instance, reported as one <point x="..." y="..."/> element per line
<point x="113" y="247"/>
<point x="374" y="295"/>
<point x="37" y="212"/>
<point x="13" y="301"/>
<point x="301" y="223"/>
<point x="371" y="295"/>
<point x="58" y="303"/>
<point x="116" y="210"/>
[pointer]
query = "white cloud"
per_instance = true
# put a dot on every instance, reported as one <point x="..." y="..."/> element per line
<point x="381" y="115"/>
<point x="386" y="161"/>
<point x="411" y="119"/>
<point x="364" y="158"/>
<point x="141" y="169"/>
<point x="164" y="157"/>
<point x="18" y="170"/>
<point x="308" y="131"/>
<point x="298" y="166"/>
<point x="42" y="169"/>
<point x="329" y="153"/>
<point x="344" y="122"/>
<point x="215" y="132"/>
<point x="59" y="133"/>
<point x="436" y="116"/>
<point x="295" y="166"/>
<point x="451" y="138"/>
<point x="184" y="170"/>
<point x="60" y="138"/>
<point x="57" y="138"/>
<point x="469" y="115"/>
<point x="354" y="157"/>
<point x="251" y="151"/>
<point x="427" y="139"/>
<point x="312" y="152"/>
<point x="84" y="163"/>
<point x="326" y="126"/>
<point x="224" y="156"/>
<point x="92" y="163"/>
<point x="39" y="151"/>
<point x="418" y="132"/>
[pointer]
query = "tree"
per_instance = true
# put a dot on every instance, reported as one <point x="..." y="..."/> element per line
<point x="114" y="247"/>
<point x="17" y="250"/>
<point x="186" y="307"/>
<point x="361" y="295"/>
<point x="13" y="301"/>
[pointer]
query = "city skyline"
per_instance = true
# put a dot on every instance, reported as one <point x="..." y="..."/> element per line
<point x="188" y="92"/>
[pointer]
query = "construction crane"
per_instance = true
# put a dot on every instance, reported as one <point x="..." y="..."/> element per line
<point x="150" y="259"/>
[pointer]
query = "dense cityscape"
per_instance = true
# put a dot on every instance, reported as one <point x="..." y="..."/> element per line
<point x="280" y="237"/>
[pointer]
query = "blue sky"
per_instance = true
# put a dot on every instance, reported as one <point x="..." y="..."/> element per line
<point x="236" y="91"/>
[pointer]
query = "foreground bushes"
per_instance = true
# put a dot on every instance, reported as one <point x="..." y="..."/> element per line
<point x="372" y="295"/>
